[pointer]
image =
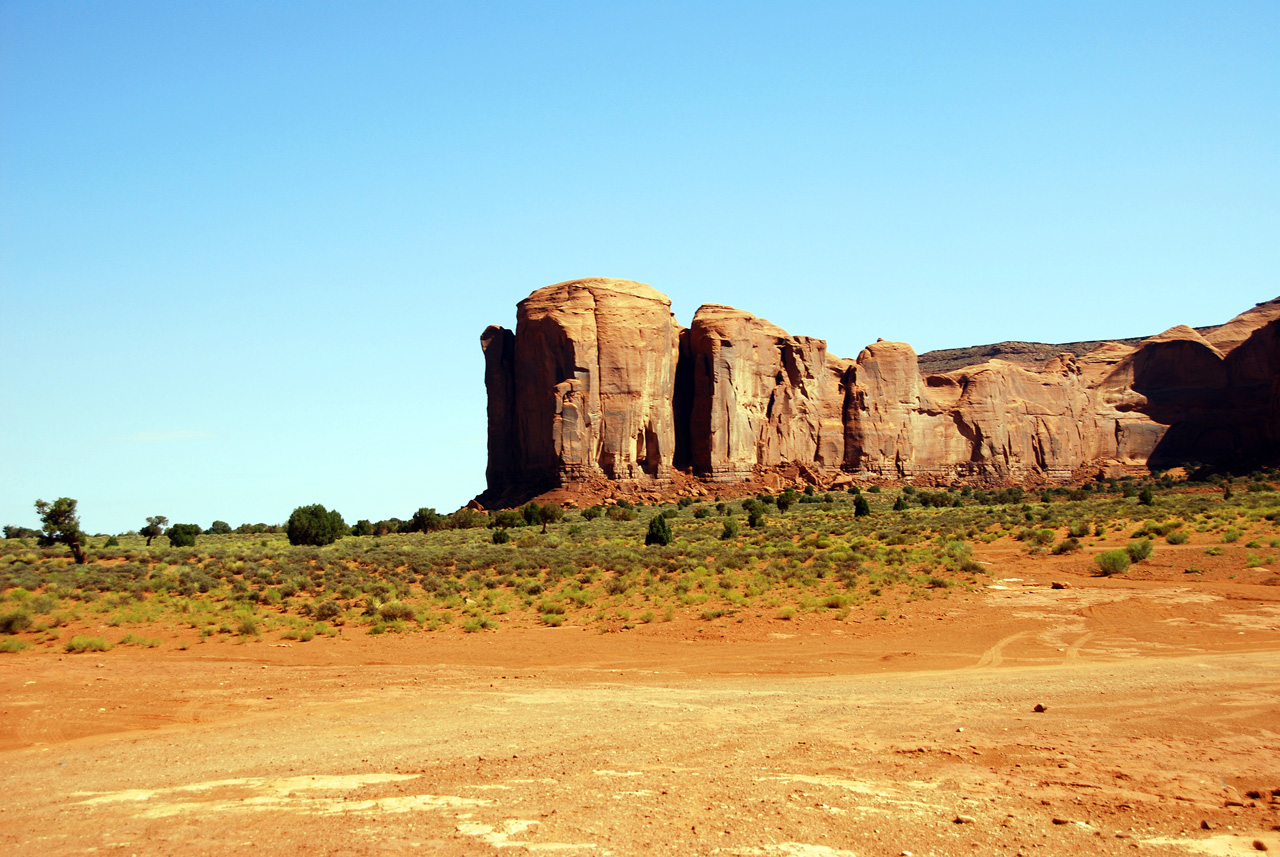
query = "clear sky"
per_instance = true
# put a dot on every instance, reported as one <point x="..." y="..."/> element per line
<point x="247" y="249"/>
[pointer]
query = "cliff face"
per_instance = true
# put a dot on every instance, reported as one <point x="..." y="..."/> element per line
<point x="599" y="385"/>
<point x="583" y="388"/>
<point x="761" y="398"/>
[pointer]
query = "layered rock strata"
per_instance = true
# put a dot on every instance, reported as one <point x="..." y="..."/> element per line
<point x="599" y="386"/>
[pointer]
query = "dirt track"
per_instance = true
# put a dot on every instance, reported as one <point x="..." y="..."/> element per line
<point x="810" y="737"/>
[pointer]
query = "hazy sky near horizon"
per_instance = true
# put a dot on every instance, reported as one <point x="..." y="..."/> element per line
<point x="247" y="249"/>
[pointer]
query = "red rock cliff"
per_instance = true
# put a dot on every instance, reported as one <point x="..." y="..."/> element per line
<point x="599" y="383"/>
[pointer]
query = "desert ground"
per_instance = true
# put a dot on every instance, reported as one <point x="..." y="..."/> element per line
<point x="913" y="734"/>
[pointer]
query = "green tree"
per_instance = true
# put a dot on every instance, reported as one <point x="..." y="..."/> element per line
<point x="861" y="508"/>
<point x="315" y="525"/>
<point x="363" y="527"/>
<point x="183" y="535"/>
<point x="900" y="504"/>
<point x="659" y="531"/>
<point x="154" y="528"/>
<point x="1146" y="497"/>
<point x="550" y="513"/>
<point x="730" y="529"/>
<point x="61" y="525"/>
<point x="426" y="520"/>
<point x="219" y="528"/>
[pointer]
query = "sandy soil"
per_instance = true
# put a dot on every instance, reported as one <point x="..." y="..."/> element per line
<point x="916" y="734"/>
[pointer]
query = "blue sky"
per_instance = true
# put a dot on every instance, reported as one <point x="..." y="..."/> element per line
<point x="247" y="249"/>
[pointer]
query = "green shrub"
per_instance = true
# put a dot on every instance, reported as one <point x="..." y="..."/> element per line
<point x="1146" y="497"/>
<point x="13" y="645"/>
<point x="14" y="622"/>
<point x="1231" y="535"/>
<point x="620" y="513"/>
<point x="730" y="529"/>
<point x="1176" y="538"/>
<point x="861" y="508"/>
<point x="501" y="536"/>
<point x="659" y="531"/>
<point x="1139" y="550"/>
<point x="183" y="535"/>
<point x="1066" y="546"/>
<point x="328" y="610"/>
<point x="1112" y="562"/>
<point x="394" y="610"/>
<point x="81" y="644"/>
<point x="315" y="525"/>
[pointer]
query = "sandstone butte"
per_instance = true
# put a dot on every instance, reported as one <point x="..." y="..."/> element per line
<point x="600" y="393"/>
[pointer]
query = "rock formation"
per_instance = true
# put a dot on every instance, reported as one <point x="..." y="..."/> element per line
<point x="583" y="388"/>
<point x="599" y="389"/>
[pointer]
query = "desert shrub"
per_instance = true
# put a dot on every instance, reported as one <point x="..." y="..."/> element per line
<point x="659" y="531"/>
<point x="183" y="535"/>
<point x="684" y="502"/>
<point x="730" y="529"/>
<point x="327" y="610"/>
<point x="501" y="536"/>
<point x="620" y="513"/>
<point x="315" y="525"/>
<point x="755" y="518"/>
<point x="1078" y="529"/>
<point x="1139" y="550"/>
<point x="466" y="519"/>
<point x="1112" y="562"/>
<point x="14" y="622"/>
<point x="1146" y="497"/>
<point x="13" y="645"/>
<point x="393" y="610"/>
<point x="1176" y="538"/>
<point x="592" y="512"/>
<point x="81" y="644"/>
<point x="1070" y="545"/>
<point x="702" y="512"/>
<point x="1231" y="535"/>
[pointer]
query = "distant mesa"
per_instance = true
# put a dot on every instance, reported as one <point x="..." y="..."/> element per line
<point x="600" y="392"/>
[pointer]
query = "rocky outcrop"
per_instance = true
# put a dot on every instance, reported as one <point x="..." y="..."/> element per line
<point x="761" y="397"/>
<point x="583" y="388"/>
<point x="599" y="386"/>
